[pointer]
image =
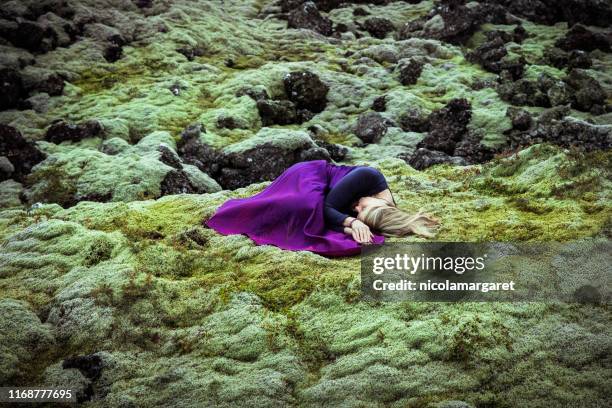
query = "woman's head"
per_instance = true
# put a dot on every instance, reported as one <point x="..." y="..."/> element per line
<point x="365" y="202"/>
<point x="393" y="222"/>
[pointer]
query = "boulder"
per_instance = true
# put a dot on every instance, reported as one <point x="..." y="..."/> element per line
<point x="63" y="131"/>
<point x="306" y="90"/>
<point x="12" y="91"/>
<point x="307" y="16"/>
<point x="21" y="154"/>
<point x="378" y="27"/>
<point x="370" y="127"/>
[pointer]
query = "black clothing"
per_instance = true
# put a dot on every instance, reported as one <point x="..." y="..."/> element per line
<point x="360" y="182"/>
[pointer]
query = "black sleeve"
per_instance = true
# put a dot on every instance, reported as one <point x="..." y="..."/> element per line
<point x="361" y="182"/>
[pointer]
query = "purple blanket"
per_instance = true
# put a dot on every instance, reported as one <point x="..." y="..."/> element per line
<point x="289" y="212"/>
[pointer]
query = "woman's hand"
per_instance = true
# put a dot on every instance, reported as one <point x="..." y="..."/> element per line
<point x="361" y="232"/>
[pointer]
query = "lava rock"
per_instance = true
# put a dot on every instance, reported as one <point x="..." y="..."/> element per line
<point x="587" y="294"/>
<point x="588" y="92"/>
<point x="423" y="158"/>
<point x="143" y="3"/>
<point x="253" y="93"/>
<point x="52" y="84"/>
<point x="169" y="157"/>
<point x="588" y="12"/>
<point x="523" y="92"/>
<point x="571" y="132"/>
<point x="447" y="126"/>
<point x="90" y="365"/>
<point x="192" y="52"/>
<point x="22" y="154"/>
<point x="519" y="34"/>
<point x="380" y="104"/>
<point x="336" y="152"/>
<point x="229" y="122"/>
<point x="559" y="94"/>
<point x="33" y="36"/>
<point x="263" y="163"/>
<point x="409" y="72"/>
<point x="378" y="27"/>
<point x="12" y="91"/>
<point x="277" y="112"/>
<point x="360" y="11"/>
<point x="176" y="182"/>
<point x="473" y="151"/>
<point x="306" y="90"/>
<point x="521" y="119"/>
<point x="554" y="126"/>
<point x="413" y="120"/>
<point x="454" y="22"/>
<point x="307" y="16"/>
<point x="492" y="55"/>
<point x="63" y="131"/>
<point x="370" y="127"/>
<point x="580" y="38"/>
<point x="193" y="151"/>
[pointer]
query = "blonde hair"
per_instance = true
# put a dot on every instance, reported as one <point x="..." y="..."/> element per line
<point x="393" y="222"/>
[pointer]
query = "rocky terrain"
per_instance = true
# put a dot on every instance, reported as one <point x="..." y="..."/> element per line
<point x="125" y="123"/>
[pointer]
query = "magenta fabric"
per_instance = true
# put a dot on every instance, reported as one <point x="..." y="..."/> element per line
<point x="289" y="212"/>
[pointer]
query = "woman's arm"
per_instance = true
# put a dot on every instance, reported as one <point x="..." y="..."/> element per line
<point x="359" y="182"/>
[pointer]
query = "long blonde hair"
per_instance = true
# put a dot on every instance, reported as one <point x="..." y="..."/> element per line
<point x="393" y="222"/>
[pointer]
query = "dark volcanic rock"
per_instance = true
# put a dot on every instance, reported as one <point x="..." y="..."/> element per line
<point x="448" y="126"/>
<point x="229" y="122"/>
<point x="588" y="12"/>
<point x="424" y="158"/>
<point x="569" y="132"/>
<point x="53" y="84"/>
<point x="370" y="127"/>
<point x="176" y="182"/>
<point x="63" y="131"/>
<point x="409" y="72"/>
<point x="413" y="120"/>
<point x="360" y="11"/>
<point x="90" y="365"/>
<point x="194" y="152"/>
<point x="169" y="157"/>
<point x="553" y="126"/>
<point x="263" y="163"/>
<point x="561" y="59"/>
<point x="33" y="37"/>
<point x="523" y="92"/>
<point x="493" y="56"/>
<point x="276" y="112"/>
<point x="192" y="52"/>
<point x="143" y="3"/>
<point x="253" y="93"/>
<point x="473" y="151"/>
<point x="307" y="16"/>
<point x="11" y="89"/>
<point x="448" y="140"/>
<point x="581" y="38"/>
<point x="336" y="152"/>
<point x="378" y="27"/>
<point x="521" y="119"/>
<point x="588" y="92"/>
<point x="22" y="154"/>
<point x="306" y="90"/>
<point x="454" y="22"/>
<point x="380" y="104"/>
<point x="328" y="5"/>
